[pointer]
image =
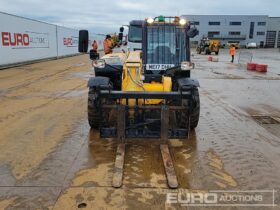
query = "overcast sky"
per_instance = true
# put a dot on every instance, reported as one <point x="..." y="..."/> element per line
<point x="102" y="16"/>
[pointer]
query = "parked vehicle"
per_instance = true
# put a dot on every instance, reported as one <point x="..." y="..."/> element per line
<point x="251" y="45"/>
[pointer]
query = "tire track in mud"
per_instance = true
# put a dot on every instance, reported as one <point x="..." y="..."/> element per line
<point x="35" y="79"/>
<point x="234" y="138"/>
<point x="19" y="114"/>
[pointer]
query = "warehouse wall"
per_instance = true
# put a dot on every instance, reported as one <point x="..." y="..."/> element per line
<point x="274" y="27"/>
<point x="224" y="28"/>
<point x="24" y="40"/>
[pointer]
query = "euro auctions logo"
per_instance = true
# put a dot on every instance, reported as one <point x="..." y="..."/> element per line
<point x="260" y="198"/>
<point x="70" y="41"/>
<point x="28" y="39"/>
<point x="15" y="39"/>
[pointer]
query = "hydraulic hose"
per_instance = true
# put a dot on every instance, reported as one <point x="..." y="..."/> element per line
<point x="134" y="81"/>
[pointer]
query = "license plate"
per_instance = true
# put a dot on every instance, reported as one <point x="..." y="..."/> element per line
<point x="159" y="66"/>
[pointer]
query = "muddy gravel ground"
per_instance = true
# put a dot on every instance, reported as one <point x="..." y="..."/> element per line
<point x="50" y="159"/>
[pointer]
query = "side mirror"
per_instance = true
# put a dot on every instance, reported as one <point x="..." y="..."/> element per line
<point x="192" y="32"/>
<point x="83" y="41"/>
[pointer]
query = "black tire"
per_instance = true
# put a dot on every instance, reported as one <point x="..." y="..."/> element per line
<point x="83" y="41"/>
<point x="207" y="51"/>
<point x="217" y="53"/>
<point x="182" y="118"/>
<point x="96" y="116"/>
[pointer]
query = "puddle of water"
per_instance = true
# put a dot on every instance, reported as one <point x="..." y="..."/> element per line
<point x="221" y="177"/>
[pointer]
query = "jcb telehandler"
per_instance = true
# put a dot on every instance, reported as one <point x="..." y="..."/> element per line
<point x="148" y="93"/>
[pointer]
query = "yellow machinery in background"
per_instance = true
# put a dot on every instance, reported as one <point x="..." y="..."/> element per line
<point x="208" y="46"/>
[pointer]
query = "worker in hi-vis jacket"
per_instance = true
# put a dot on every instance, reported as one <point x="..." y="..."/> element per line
<point x="108" y="47"/>
<point x="232" y="52"/>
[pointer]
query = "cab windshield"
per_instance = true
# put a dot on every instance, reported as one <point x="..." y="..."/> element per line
<point x="166" y="45"/>
<point x="135" y="34"/>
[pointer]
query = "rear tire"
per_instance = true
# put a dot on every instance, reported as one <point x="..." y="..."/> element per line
<point x="182" y="117"/>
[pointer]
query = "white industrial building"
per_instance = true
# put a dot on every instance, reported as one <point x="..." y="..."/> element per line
<point x="273" y="32"/>
<point x="242" y="29"/>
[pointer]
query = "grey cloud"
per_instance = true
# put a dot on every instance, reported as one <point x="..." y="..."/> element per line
<point x="106" y="16"/>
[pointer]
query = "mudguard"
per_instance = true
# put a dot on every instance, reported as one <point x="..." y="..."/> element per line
<point x="188" y="82"/>
<point x="98" y="82"/>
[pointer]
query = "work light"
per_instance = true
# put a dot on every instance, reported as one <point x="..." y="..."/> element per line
<point x="183" y="22"/>
<point x="150" y="20"/>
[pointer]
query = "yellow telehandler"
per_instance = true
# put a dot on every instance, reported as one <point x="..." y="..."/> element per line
<point x="146" y="89"/>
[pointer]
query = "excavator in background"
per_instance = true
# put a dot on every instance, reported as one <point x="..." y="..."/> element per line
<point x="208" y="46"/>
<point x="147" y="93"/>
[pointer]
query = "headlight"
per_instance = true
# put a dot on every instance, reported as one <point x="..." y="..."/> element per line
<point x="182" y="22"/>
<point x="99" y="64"/>
<point x="150" y="20"/>
<point x="185" y="65"/>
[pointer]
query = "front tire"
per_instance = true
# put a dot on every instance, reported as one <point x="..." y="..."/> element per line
<point x="94" y="109"/>
<point x="182" y="117"/>
<point x="97" y="116"/>
<point x="207" y="51"/>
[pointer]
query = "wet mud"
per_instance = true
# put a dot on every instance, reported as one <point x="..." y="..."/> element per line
<point x="51" y="159"/>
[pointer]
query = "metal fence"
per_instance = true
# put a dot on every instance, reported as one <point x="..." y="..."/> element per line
<point x="244" y="58"/>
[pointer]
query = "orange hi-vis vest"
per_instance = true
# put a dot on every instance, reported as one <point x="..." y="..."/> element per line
<point x="94" y="46"/>
<point x="107" y="46"/>
<point x="232" y="51"/>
